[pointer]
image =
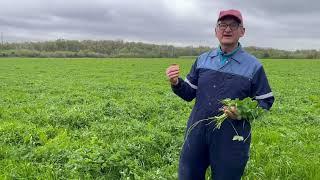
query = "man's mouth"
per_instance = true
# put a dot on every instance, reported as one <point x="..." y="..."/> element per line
<point x="227" y="35"/>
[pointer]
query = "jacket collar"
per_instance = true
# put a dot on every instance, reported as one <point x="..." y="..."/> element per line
<point x="215" y="52"/>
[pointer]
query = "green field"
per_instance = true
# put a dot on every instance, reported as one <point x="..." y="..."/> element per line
<point x="118" y="119"/>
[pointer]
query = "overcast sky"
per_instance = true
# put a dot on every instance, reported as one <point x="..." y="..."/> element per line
<point x="285" y="24"/>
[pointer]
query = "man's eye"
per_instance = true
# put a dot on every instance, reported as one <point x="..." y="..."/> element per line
<point x="233" y="25"/>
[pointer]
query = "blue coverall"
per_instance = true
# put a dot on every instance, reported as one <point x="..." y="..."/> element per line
<point x="209" y="81"/>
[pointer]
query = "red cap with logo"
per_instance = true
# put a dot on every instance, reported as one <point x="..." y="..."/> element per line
<point x="230" y="12"/>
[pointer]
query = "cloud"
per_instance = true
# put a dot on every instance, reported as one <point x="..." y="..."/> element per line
<point x="279" y="24"/>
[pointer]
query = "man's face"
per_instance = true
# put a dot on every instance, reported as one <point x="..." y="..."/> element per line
<point x="228" y="31"/>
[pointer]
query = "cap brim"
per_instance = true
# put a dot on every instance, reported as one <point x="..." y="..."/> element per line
<point x="232" y="16"/>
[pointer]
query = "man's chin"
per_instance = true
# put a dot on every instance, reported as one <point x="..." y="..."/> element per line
<point x="227" y="43"/>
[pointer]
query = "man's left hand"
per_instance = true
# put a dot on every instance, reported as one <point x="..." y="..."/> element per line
<point x="232" y="112"/>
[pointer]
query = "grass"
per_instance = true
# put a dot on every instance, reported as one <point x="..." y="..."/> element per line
<point x="118" y="119"/>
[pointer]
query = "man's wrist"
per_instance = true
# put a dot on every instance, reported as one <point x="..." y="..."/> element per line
<point x="176" y="83"/>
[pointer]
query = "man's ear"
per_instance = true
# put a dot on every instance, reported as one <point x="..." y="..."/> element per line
<point x="243" y="30"/>
<point x="215" y="31"/>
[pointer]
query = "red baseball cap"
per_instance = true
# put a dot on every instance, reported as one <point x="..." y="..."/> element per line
<point x="231" y="12"/>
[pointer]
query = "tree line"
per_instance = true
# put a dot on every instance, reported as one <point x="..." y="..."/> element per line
<point x="109" y="48"/>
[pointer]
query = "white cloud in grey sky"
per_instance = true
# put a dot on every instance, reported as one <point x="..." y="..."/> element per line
<point x="286" y="24"/>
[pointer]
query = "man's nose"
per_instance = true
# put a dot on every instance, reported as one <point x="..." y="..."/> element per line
<point x="228" y="29"/>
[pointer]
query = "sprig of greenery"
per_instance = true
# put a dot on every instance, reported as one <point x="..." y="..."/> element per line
<point x="247" y="109"/>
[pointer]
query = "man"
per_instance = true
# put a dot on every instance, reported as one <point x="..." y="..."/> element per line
<point x="225" y="72"/>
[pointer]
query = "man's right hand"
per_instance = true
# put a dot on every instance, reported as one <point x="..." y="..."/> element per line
<point x="172" y="73"/>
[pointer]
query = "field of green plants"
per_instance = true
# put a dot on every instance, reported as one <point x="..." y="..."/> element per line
<point x="118" y="119"/>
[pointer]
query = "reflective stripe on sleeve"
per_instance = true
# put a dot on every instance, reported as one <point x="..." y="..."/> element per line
<point x="190" y="84"/>
<point x="264" y="96"/>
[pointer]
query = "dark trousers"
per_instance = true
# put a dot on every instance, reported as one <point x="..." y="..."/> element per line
<point x="205" y="146"/>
